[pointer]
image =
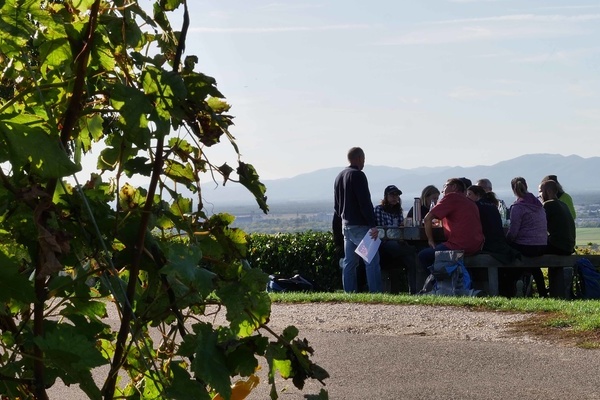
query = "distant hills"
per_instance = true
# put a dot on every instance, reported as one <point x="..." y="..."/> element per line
<point x="576" y="174"/>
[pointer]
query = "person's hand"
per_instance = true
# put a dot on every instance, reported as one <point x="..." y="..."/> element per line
<point x="374" y="232"/>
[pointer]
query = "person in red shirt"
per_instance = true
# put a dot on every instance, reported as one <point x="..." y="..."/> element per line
<point x="461" y="222"/>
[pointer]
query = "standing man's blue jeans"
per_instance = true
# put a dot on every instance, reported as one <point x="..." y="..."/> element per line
<point x="353" y="234"/>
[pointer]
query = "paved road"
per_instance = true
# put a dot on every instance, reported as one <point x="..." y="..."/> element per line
<point x="411" y="367"/>
<point x="414" y="367"/>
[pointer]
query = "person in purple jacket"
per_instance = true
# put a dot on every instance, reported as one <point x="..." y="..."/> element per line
<point x="528" y="231"/>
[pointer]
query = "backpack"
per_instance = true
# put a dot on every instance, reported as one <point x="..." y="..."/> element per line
<point x="586" y="280"/>
<point x="449" y="276"/>
<point x="294" y="284"/>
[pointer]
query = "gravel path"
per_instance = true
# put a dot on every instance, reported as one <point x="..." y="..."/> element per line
<point x="394" y="320"/>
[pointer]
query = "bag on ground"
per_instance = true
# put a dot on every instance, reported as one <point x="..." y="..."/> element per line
<point x="586" y="280"/>
<point x="449" y="276"/>
<point x="294" y="284"/>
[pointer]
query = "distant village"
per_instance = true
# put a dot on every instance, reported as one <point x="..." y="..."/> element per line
<point x="288" y="218"/>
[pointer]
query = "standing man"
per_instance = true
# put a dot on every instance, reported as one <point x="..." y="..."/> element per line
<point x="353" y="204"/>
<point x="461" y="222"/>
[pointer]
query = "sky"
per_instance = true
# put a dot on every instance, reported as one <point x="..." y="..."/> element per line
<point x="414" y="83"/>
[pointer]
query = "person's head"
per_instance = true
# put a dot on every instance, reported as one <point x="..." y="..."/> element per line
<point x="485" y="183"/>
<point x="549" y="190"/>
<point x="428" y="194"/>
<point x="391" y="196"/>
<point x="555" y="179"/>
<point x="519" y="186"/>
<point x="466" y="182"/>
<point x="356" y="157"/>
<point x="454" y="185"/>
<point x="475" y="192"/>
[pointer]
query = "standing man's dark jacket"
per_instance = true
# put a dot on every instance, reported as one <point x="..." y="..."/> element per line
<point x="353" y="199"/>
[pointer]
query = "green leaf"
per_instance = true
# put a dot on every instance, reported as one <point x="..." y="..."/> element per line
<point x="249" y="178"/>
<point x="171" y="5"/>
<point x="13" y="284"/>
<point x="30" y="146"/>
<point x="91" y="129"/>
<point x="179" y="172"/>
<point x="72" y="356"/>
<point x="168" y="89"/>
<point x="181" y="206"/>
<point x="246" y="313"/>
<point x="277" y="357"/>
<point x="210" y="364"/>
<point x="133" y="106"/>
<point x="183" y="387"/>
<point x="16" y="26"/>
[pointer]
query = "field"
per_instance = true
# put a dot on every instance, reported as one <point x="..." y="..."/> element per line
<point x="588" y="235"/>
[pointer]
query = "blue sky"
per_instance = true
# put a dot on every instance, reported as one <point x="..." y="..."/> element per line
<point x="414" y="83"/>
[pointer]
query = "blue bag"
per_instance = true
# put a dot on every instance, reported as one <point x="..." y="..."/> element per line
<point x="294" y="284"/>
<point x="586" y="280"/>
<point x="449" y="276"/>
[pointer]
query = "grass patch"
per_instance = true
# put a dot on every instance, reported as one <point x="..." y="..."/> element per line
<point x="575" y="322"/>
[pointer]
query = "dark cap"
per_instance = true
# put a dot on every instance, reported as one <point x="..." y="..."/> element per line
<point x="391" y="189"/>
<point x="466" y="181"/>
<point x="550" y="178"/>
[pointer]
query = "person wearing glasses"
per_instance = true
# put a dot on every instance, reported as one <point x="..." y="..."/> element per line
<point x="460" y="220"/>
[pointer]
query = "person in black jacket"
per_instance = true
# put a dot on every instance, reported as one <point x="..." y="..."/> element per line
<point x="352" y="203"/>
<point x="561" y="227"/>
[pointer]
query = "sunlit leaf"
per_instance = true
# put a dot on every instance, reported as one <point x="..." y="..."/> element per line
<point x="30" y="146"/>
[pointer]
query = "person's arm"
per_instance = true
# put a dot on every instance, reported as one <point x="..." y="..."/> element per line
<point x="428" y="222"/>
<point x="515" y="223"/>
<point x="379" y="216"/>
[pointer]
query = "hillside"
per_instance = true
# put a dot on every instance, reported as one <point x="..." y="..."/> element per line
<point x="576" y="174"/>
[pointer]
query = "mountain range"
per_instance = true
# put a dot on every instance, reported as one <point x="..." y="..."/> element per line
<point x="576" y="174"/>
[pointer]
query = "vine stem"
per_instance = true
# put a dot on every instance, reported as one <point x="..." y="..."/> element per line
<point x="118" y="357"/>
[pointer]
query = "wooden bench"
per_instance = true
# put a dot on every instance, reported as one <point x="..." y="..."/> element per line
<point x="560" y="270"/>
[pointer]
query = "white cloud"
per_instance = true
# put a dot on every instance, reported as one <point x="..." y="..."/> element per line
<point x="462" y="34"/>
<point x="524" y="18"/>
<point x="468" y="93"/>
<point x="279" y="29"/>
<point x="289" y="6"/>
<point x="562" y="56"/>
<point x="409" y="100"/>
<point x="474" y="1"/>
<point x="589" y="113"/>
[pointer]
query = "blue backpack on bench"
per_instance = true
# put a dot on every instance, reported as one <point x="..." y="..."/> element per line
<point x="586" y="280"/>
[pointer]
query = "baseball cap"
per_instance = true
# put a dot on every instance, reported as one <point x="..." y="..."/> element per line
<point x="391" y="189"/>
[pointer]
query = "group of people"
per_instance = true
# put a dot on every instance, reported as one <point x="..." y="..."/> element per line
<point x="472" y="218"/>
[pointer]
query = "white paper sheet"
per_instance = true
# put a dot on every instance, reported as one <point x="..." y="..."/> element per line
<point x="367" y="248"/>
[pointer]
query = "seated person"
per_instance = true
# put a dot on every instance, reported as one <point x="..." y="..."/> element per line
<point x="562" y="195"/>
<point x="486" y="184"/>
<point x="395" y="253"/>
<point x="461" y="222"/>
<point x="495" y="241"/>
<point x="491" y="223"/>
<point x="528" y="229"/>
<point x="561" y="227"/>
<point x="430" y="194"/>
